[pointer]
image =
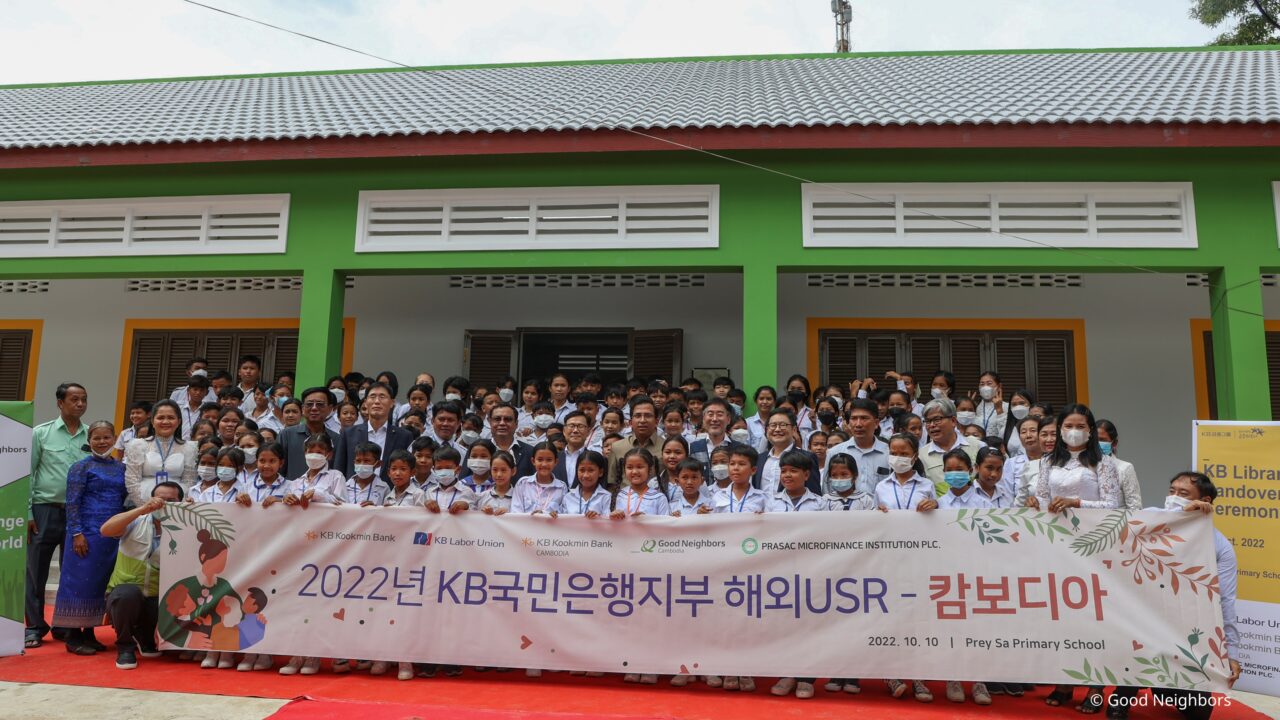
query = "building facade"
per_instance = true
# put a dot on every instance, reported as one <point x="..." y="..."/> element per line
<point x="1099" y="226"/>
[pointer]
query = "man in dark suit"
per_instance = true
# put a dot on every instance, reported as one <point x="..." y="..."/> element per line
<point x="377" y="430"/>
<point x="502" y="429"/>
<point x="317" y="404"/>
<point x="780" y="432"/>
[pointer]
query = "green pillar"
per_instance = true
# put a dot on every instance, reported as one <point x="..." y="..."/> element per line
<point x="759" y="326"/>
<point x="320" y="326"/>
<point x="1239" y="344"/>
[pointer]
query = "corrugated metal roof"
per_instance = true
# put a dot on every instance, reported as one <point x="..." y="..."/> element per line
<point x="1098" y="87"/>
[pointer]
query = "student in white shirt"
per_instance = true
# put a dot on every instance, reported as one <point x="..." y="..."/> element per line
<point x="587" y="497"/>
<point x="424" y="450"/>
<point x="638" y="498"/>
<point x="794" y="496"/>
<point x="268" y="488"/>
<point x="612" y="422"/>
<point x="989" y="476"/>
<point x="497" y="499"/>
<point x="766" y="397"/>
<point x="542" y="491"/>
<point x="225" y="489"/>
<point x="531" y="393"/>
<point x="690" y="498"/>
<point x="992" y="411"/>
<point x="139" y="415"/>
<point x="717" y="474"/>
<point x="319" y="483"/>
<point x="957" y="472"/>
<point x="906" y="488"/>
<point x="206" y="474"/>
<point x="740" y="496"/>
<point x="403" y="493"/>
<point x="445" y="493"/>
<point x="844" y="496"/>
<point x="364" y="488"/>
<point x="249" y="444"/>
<point x="479" y="462"/>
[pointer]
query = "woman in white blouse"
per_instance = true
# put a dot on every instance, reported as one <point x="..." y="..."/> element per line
<point x="163" y="456"/>
<point x="1076" y="474"/>
<point x="1130" y="490"/>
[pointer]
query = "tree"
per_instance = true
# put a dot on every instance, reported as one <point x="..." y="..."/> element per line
<point x="1246" y="26"/>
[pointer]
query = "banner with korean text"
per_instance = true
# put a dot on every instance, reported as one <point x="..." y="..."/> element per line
<point x="15" y="483"/>
<point x="1243" y="460"/>
<point x="1099" y="597"/>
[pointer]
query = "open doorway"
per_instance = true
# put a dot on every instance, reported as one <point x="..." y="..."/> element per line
<point x="615" y="354"/>
<point x="576" y="353"/>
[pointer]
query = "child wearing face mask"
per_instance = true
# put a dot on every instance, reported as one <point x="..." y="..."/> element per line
<point x="225" y="489"/>
<point x="364" y="488"/>
<point x="319" y="483"/>
<point x="478" y="475"/>
<point x="718" y="471"/>
<point x="544" y="416"/>
<point x="497" y="499"/>
<point x="446" y="493"/>
<point x="206" y="472"/>
<point x="249" y="444"/>
<point x="739" y="432"/>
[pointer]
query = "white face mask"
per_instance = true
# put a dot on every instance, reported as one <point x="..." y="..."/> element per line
<point x="316" y="461"/>
<point x="1075" y="437"/>
<point x="200" y="373"/>
<point x="338" y="395"/>
<point x="506" y="395"/>
<point x="479" y="466"/>
<point x="364" y="472"/>
<point x="452" y="397"/>
<point x="1019" y="411"/>
<point x="250" y="455"/>
<point x="938" y="393"/>
<point x="206" y="473"/>
<point x="741" y="435"/>
<point x="542" y="422"/>
<point x="1176" y="503"/>
<point x="966" y="417"/>
<point x="901" y="464"/>
<point x="737" y="409"/>
<point x="445" y="477"/>
<point x="226" y="474"/>
<point x="987" y="392"/>
<point x="469" y="436"/>
<point x="719" y="472"/>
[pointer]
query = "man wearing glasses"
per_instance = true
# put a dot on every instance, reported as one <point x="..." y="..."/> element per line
<point x="317" y="403"/>
<point x="940" y="425"/>
<point x="780" y="433"/>
<point x="502" y="431"/>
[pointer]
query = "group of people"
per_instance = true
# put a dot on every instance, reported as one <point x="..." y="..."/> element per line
<point x="554" y="446"/>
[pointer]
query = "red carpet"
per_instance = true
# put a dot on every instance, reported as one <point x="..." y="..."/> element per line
<point x="508" y="696"/>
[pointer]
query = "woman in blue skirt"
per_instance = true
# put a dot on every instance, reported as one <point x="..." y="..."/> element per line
<point x="95" y="492"/>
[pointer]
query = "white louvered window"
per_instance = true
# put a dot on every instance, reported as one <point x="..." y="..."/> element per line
<point x="1035" y="215"/>
<point x="558" y="218"/>
<point x="207" y="225"/>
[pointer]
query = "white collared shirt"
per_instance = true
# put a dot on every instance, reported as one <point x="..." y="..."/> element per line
<point x="808" y="502"/>
<point x="651" y="502"/>
<point x="375" y="492"/>
<point x="904" y="496"/>
<point x="971" y="498"/>
<point x="682" y="505"/>
<point x="754" y="500"/>
<point x="571" y="461"/>
<point x="532" y="496"/>
<point x="411" y="497"/>
<point x="573" y="504"/>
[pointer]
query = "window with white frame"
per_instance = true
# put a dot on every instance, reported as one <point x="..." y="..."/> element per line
<point x="554" y="218"/>
<point x="198" y="225"/>
<point x="1031" y="215"/>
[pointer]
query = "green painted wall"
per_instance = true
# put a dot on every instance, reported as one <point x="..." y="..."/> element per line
<point x="760" y="227"/>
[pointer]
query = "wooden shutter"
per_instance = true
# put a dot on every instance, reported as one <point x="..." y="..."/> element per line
<point x="1054" y="381"/>
<point x="926" y="358"/>
<point x="841" y="360"/>
<point x="179" y="349"/>
<point x="1273" y="372"/>
<point x="251" y="344"/>
<point x="966" y="364"/>
<point x="657" y="353"/>
<point x="150" y="356"/>
<point x="487" y="354"/>
<point x="15" y="354"/>
<point x="285" y="357"/>
<point x="219" y="350"/>
<point x="882" y="356"/>
<point x="1011" y="363"/>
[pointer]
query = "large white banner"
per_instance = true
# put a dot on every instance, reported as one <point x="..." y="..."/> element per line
<point x="1099" y="597"/>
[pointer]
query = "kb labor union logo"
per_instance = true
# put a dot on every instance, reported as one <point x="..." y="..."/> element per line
<point x="750" y="546"/>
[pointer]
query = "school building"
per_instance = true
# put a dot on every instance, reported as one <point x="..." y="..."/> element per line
<point x="1096" y="225"/>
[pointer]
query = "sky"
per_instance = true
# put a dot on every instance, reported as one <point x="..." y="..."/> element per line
<point x="73" y="40"/>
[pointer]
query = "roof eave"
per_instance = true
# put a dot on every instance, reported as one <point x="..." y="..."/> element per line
<point x="1005" y="135"/>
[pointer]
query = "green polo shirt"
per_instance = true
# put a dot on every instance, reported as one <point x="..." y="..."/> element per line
<point x="53" y="451"/>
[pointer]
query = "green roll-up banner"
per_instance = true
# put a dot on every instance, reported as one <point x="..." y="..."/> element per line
<point x="15" y="481"/>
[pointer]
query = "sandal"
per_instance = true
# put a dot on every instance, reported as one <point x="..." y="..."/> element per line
<point x="1059" y="696"/>
<point x="1093" y="702"/>
<point x="32" y="641"/>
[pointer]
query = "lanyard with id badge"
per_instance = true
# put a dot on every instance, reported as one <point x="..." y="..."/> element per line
<point x="162" y="475"/>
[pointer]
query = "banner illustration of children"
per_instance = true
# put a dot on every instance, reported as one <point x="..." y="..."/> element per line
<point x="203" y="612"/>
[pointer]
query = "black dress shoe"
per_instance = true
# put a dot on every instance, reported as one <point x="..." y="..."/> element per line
<point x="77" y="648"/>
<point x="90" y="641"/>
<point x="61" y="634"/>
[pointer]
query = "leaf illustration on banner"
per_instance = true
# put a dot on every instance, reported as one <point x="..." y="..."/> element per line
<point x="1192" y="663"/>
<point x="1103" y="537"/>
<point x="992" y="526"/>
<point x="1218" y="646"/>
<point x="1152" y="548"/>
<point x="1157" y="673"/>
<point x="203" y="517"/>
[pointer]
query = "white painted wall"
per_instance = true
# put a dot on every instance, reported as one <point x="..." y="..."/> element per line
<point x="415" y="324"/>
<point x="1137" y="334"/>
<point x="84" y="328"/>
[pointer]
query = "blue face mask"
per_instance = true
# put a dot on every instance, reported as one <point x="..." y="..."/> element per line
<point x="280" y="401"/>
<point x="841" y="485"/>
<point x="956" y="478"/>
<point x="1106" y="447"/>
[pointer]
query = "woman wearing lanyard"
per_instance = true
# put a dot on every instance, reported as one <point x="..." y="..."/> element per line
<point x="164" y="456"/>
